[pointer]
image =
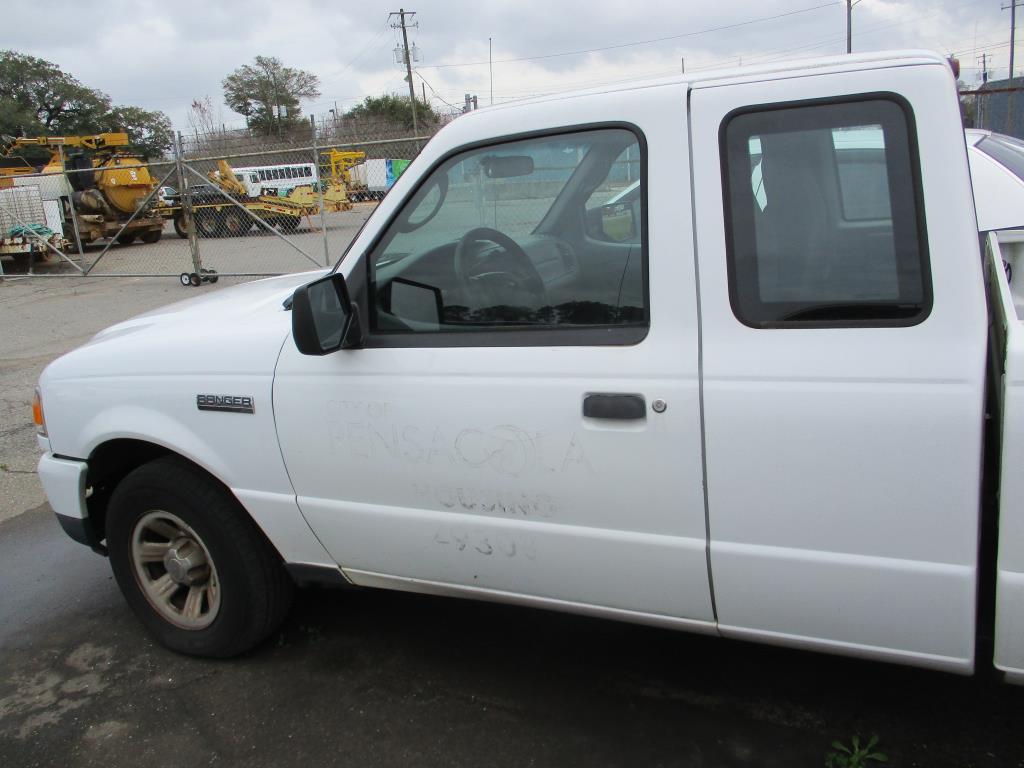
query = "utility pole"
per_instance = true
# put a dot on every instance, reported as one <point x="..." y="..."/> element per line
<point x="490" y="67"/>
<point x="402" y="13"/>
<point x="849" y="24"/>
<point x="277" y="105"/>
<point x="984" y="67"/>
<point x="1012" y="7"/>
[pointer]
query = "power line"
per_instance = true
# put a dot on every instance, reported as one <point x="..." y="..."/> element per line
<point x="680" y="36"/>
<point x="359" y="55"/>
<point x="762" y="58"/>
<point x="434" y="90"/>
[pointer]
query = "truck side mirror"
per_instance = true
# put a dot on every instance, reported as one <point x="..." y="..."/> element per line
<point x="324" y="319"/>
<point x="618" y="222"/>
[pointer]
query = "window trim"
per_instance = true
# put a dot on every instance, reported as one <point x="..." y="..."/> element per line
<point x="917" y="190"/>
<point x="578" y="336"/>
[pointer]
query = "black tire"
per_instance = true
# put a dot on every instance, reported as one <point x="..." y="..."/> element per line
<point x="179" y="226"/>
<point x="151" y="236"/>
<point x="288" y="224"/>
<point x="209" y="224"/>
<point x="254" y="590"/>
<point x="237" y="223"/>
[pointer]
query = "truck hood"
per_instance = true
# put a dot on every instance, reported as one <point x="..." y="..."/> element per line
<point x="236" y="330"/>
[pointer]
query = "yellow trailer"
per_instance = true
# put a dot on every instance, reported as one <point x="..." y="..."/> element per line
<point x="218" y="216"/>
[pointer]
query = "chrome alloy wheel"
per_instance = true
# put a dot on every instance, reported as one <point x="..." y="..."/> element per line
<point x="175" y="570"/>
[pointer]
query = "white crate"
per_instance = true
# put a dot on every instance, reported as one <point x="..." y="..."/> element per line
<point x="20" y="206"/>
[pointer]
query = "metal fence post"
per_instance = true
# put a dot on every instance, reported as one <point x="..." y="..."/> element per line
<point x="320" y="192"/>
<point x="71" y="202"/>
<point x="186" y="206"/>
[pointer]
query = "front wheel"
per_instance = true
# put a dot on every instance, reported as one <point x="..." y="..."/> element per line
<point x="192" y="565"/>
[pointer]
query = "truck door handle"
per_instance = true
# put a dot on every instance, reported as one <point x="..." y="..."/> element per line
<point x="612" y="406"/>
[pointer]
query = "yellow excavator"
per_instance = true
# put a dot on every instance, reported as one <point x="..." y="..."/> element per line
<point x="104" y="182"/>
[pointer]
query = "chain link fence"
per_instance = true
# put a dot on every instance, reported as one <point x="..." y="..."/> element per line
<point x="997" y="107"/>
<point x="222" y="203"/>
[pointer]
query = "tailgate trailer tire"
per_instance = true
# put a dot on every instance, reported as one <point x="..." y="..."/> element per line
<point x="191" y="563"/>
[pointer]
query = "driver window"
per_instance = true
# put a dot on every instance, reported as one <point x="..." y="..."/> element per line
<point x="543" y="233"/>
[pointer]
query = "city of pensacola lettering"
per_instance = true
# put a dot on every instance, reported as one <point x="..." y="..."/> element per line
<point x="229" y="403"/>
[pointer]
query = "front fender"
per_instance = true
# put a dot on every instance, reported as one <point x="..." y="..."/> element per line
<point x="238" y="449"/>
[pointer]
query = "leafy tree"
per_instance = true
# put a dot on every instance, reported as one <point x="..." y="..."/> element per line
<point x="395" y="109"/>
<point x="256" y="91"/>
<point x="149" y="132"/>
<point x="37" y="98"/>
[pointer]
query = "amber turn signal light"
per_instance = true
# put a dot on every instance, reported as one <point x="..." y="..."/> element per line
<point x="37" y="413"/>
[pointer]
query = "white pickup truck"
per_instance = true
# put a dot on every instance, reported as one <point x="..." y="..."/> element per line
<point x="777" y="394"/>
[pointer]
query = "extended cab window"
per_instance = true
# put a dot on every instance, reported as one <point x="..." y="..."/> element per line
<point x="542" y="234"/>
<point x="824" y="222"/>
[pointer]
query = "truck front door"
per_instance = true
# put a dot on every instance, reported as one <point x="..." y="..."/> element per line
<point x="496" y="435"/>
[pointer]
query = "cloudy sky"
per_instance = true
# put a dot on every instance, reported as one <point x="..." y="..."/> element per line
<point x="162" y="55"/>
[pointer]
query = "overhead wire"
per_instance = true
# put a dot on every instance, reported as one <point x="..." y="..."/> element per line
<point x="362" y="52"/>
<point x="763" y="58"/>
<point x="434" y="90"/>
<point x="680" y="36"/>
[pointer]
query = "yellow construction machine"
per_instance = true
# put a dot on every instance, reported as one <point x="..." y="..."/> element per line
<point x="103" y="182"/>
<point x="229" y="208"/>
<point x="11" y="167"/>
<point x="339" y="163"/>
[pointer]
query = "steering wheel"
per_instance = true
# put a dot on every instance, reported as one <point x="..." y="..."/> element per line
<point x="512" y="274"/>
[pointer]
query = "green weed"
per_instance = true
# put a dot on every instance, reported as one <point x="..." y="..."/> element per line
<point x="855" y="755"/>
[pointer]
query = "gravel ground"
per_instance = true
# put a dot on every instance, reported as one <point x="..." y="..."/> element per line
<point x="41" y="320"/>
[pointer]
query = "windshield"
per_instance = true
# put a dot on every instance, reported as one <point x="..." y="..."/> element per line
<point x="1006" y="151"/>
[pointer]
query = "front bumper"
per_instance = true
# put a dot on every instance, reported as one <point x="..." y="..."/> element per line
<point x="64" y="483"/>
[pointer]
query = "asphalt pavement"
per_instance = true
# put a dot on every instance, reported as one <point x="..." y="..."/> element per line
<point x="372" y="678"/>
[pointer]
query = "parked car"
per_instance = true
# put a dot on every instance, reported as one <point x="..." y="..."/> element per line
<point x="167" y="195"/>
<point x="763" y="404"/>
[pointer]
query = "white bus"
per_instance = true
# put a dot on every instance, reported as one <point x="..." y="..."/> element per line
<point x="276" y="179"/>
